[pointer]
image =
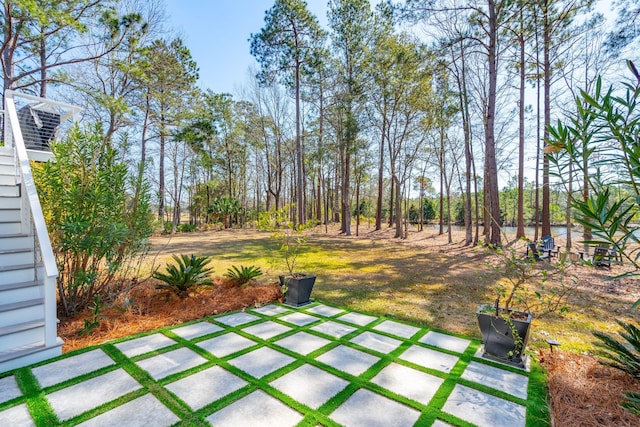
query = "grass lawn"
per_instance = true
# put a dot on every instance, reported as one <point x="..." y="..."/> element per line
<point x="422" y="279"/>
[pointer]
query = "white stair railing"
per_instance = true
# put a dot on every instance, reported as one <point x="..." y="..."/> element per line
<point x="36" y="214"/>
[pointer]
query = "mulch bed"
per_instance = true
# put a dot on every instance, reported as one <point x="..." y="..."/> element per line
<point x="585" y="393"/>
<point x="145" y="308"/>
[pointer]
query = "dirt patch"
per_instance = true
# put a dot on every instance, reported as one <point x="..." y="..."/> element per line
<point x="585" y="393"/>
<point x="145" y="308"/>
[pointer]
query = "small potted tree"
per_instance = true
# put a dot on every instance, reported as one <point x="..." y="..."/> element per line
<point x="504" y="328"/>
<point x="296" y="286"/>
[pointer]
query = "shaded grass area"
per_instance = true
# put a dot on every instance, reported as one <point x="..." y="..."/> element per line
<point x="428" y="282"/>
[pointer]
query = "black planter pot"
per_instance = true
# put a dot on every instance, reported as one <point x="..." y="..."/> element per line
<point x="497" y="336"/>
<point x="298" y="289"/>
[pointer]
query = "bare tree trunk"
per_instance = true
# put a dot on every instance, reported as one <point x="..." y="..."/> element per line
<point x="546" y="196"/>
<point x="490" y="150"/>
<point x="380" y="176"/>
<point x="346" y="214"/>
<point x="441" y="166"/>
<point x="161" y="188"/>
<point x="299" y="187"/>
<point x="520" y="215"/>
<point x="398" y="203"/>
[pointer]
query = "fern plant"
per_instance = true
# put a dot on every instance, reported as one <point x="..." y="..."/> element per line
<point x="243" y="275"/>
<point x="624" y="356"/>
<point x="187" y="273"/>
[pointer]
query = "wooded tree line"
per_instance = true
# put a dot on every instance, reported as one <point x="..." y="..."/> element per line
<point x="388" y="103"/>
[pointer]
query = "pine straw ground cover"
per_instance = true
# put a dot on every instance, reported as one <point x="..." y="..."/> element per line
<point x="422" y="279"/>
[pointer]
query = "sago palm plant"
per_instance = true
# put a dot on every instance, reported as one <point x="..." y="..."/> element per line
<point x="242" y="275"/>
<point x="624" y="356"/>
<point x="187" y="273"/>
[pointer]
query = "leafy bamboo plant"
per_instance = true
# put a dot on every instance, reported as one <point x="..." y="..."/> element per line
<point x="188" y="272"/>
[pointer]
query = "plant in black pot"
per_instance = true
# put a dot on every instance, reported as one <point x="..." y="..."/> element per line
<point x="527" y="289"/>
<point x="296" y="286"/>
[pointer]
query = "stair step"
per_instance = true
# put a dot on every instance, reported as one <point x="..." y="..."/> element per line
<point x="9" y="214"/>
<point x="21" y="304"/>
<point x="8" y="203"/>
<point x="22" y="291"/>
<point x="21" y="312"/>
<point x="10" y="227"/>
<point x="20" y="327"/>
<point x="7" y="169"/>
<point x="9" y="191"/>
<point x="16" y="257"/>
<point x="19" y="285"/>
<point x="28" y="355"/>
<point x="21" y="334"/>
<point x="17" y="274"/>
<point x="16" y="241"/>
<point x="7" y="179"/>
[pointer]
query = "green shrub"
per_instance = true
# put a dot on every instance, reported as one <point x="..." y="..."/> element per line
<point x="187" y="228"/>
<point x="243" y="275"/>
<point x="98" y="218"/>
<point x="189" y="272"/>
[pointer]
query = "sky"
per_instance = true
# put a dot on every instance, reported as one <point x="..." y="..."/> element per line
<point x="217" y="33"/>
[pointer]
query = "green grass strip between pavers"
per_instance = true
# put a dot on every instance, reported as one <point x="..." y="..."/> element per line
<point x="34" y="396"/>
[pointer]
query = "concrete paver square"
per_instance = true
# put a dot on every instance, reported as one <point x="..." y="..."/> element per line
<point x="509" y="382"/>
<point x="76" y="399"/>
<point x="261" y="362"/>
<point x="172" y="362"/>
<point x="429" y="358"/>
<point x="9" y="389"/>
<point x="448" y="342"/>
<point x="377" y="342"/>
<point x="349" y="360"/>
<point x="396" y="328"/>
<point x="407" y="382"/>
<point x="205" y="387"/>
<point x="325" y="310"/>
<point x="256" y="409"/>
<point x="71" y="367"/>
<point x="17" y="416"/>
<point x="302" y="343"/>
<point x="299" y="319"/>
<point x="357" y="318"/>
<point x="143" y="345"/>
<point x="141" y="412"/>
<point x="319" y="386"/>
<point x="483" y="409"/>
<point x="196" y="330"/>
<point x="267" y="330"/>
<point x="365" y="409"/>
<point x="226" y="344"/>
<point x="237" y="319"/>
<point x="333" y="329"/>
<point x="270" y="310"/>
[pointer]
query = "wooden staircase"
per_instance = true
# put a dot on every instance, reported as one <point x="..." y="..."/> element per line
<point x="23" y="331"/>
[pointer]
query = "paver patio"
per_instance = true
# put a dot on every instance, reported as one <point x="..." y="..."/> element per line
<point x="276" y="365"/>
